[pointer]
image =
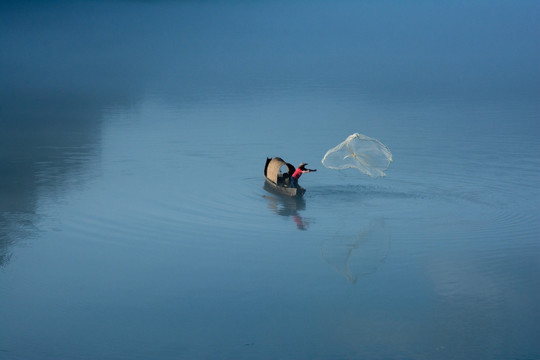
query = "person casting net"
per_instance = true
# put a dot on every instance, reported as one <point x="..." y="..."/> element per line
<point x="366" y="154"/>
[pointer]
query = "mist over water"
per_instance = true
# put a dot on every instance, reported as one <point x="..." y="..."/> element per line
<point x="134" y="222"/>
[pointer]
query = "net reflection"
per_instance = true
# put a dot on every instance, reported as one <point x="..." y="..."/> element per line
<point x="358" y="255"/>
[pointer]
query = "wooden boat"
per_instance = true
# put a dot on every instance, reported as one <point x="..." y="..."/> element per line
<point x="277" y="173"/>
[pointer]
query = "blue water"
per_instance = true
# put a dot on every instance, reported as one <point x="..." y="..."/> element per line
<point x="134" y="223"/>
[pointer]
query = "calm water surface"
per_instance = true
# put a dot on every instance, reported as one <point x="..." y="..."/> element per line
<point x="134" y="223"/>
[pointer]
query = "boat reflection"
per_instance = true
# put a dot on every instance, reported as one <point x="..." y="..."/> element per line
<point x="358" y="255"/>
<point x="287" y="206"/>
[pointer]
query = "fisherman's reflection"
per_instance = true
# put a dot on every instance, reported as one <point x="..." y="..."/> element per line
<point x="301" y="224"/>
<point x="288" y="207"/>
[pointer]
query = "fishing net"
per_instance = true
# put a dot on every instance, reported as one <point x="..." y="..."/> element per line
<point x="366" y="154"/>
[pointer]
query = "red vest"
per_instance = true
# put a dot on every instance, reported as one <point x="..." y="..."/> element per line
<point x="297" y="173"/>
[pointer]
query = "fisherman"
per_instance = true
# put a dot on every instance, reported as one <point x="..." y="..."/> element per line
<point x="301" y="169"/>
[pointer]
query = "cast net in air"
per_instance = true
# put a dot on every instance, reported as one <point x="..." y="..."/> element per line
<point x="361" y="152"/>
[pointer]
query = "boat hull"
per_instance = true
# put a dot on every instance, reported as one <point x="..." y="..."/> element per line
<point x="270" y="186"/>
